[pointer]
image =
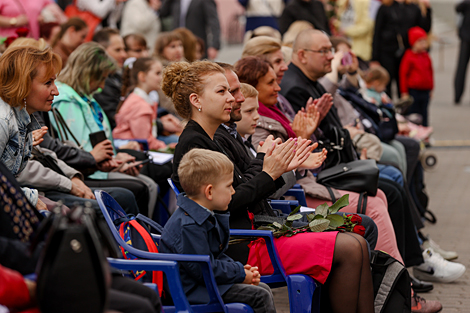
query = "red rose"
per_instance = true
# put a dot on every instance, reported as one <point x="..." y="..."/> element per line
<point x="359" y="229"/>
<point x="9" y="41"/>
<point x="356" y="219"/>
<point x="22" y="31"/>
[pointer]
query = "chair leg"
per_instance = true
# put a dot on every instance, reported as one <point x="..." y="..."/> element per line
<point x="302" y="290"/>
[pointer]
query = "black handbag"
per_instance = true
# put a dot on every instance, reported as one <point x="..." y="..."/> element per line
<point x="337" y="142"/>
<point x="358" y="176"/>
<point x="73" y="273"/>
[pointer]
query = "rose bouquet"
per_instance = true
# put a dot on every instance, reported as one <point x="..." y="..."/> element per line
<point x="323" y="219"/>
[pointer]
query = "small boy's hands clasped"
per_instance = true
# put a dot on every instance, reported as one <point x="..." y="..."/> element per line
<point x="252" y="275"/>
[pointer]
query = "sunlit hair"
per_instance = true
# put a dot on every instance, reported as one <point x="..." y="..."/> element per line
<point x="163" y="40"/>
<point x="77" y="23"/>
<point x="88" y="63"/>
<point x="19" y="66"/>
<point x="251" y="69"/>
<point x="181" y="79"/>
<point x="248" y="91"/>
<point x="376" y="73"/>
<point x="261" y="46"/>
<point x="200" y="167"/>
<point x="40" y="44"/>
<point x="262" y="31"/>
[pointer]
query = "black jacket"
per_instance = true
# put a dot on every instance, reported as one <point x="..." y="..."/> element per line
<point x="464" y="29"/>
<point x="298" y="10"/>
<point x="250" y="194"/>
<point x="110" y="97"/>
<point x="395" y="19"/>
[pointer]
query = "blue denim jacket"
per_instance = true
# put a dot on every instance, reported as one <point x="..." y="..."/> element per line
<point x="194" y="230"/>
<point x="16" y="140"/>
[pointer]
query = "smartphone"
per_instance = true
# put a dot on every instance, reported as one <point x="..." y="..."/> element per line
<point x="141" y="162"/>
<point x="97" y="137"/>
<point x="347" y="59"/>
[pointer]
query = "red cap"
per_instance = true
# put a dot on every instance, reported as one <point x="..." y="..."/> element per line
<point x="416" y="33"/>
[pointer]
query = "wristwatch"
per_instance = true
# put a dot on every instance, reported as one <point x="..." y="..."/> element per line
<point x="13" y="21"/>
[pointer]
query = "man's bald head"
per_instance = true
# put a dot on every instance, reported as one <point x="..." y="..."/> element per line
<point x="306" y="38"/>
<point x="312" y="53"/>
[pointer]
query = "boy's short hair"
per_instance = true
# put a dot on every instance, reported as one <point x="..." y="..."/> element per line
<point x="200" y="167"/>
<point x="376" y="73"/>
<point x="248" y="91"/>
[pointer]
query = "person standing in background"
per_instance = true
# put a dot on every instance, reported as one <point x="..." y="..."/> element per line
<point x="464" y="54"/>
<point x="200" y="17"/>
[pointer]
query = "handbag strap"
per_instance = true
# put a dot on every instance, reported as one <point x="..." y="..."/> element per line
<point x="60" y="122"/>
<point x="362" y="203"/>
<point x="332" y="194"/>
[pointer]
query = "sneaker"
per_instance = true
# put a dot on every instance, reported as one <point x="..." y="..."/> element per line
<point x="435" y="268"/>
<point x="420" y="305"/>
<point x="448" y="255"/>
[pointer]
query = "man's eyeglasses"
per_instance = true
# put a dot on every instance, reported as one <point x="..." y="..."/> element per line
<point x="323" y="52"/>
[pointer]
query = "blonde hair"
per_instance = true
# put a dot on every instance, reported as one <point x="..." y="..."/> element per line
<point x="19" y="66"/>
<point x="376" y="73"/>
<point x="181" y="79"/>
<point x="248" y="91"/>
<point x="294" y="29"/>
<point x="261" y="46"/>
<point x="40" y="44"/>
<point x="88" y="63"/>
<point x="200" y="167"/>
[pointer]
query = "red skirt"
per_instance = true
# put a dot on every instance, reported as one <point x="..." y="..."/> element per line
<point x="306" y="253"/>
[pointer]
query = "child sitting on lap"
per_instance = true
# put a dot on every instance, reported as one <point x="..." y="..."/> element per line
<point x="195" y="228"/>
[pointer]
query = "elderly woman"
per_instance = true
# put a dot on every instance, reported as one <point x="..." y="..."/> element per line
<point x="85" y="72"/>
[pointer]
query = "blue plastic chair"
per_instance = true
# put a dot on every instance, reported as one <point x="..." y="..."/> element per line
<point x="304" y="292"/>
<point x="112" y="211"/>
<point x="299" y="194"/>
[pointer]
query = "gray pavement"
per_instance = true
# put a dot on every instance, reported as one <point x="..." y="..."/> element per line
<point x="447" y="183"/>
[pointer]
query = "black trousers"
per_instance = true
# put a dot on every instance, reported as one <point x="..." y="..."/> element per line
<point x="461" y="71"/>
<point x="405" y="230"/>
<point x="392" y="64"/>
<point x="129" y="296"/>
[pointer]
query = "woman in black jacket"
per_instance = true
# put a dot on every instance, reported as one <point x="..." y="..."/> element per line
<point x="393" y="20"/>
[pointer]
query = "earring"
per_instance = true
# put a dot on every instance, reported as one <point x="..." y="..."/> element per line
<point x="199" y="109"/>
<point x="24" y="100"/>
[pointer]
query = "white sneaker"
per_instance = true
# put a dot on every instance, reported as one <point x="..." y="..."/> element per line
<point x="448" y="255"/>
<point x="436" y="268"/>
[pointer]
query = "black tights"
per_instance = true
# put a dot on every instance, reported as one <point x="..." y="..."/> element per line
<point x="348" y="288"/>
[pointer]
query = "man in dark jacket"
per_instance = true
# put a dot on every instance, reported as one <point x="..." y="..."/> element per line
<point x="464" y="54"/>
<point x="311" y="11"/>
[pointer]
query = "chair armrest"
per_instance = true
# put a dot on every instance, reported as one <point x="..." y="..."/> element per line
<point x="150" y="222"/>
<point x="269" y="239"/>
<point x="299" y="194"/>
<point x="284" y="205"/>
<point x="171" y="270"/>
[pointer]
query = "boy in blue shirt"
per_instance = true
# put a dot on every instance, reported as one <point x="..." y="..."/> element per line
<point x="206" y="177"/>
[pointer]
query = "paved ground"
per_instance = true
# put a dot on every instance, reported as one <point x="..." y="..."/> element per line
<point x="448" y="183"/>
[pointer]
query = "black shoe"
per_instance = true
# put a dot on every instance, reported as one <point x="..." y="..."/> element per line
<point x="421" y="286"/>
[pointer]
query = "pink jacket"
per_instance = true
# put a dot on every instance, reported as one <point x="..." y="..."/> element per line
<point x="135" y="121"/>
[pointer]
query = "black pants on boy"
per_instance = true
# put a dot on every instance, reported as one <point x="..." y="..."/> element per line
<point x="259" y="298"/>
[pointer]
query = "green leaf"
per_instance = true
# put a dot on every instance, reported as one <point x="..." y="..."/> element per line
<point x="322" y="210"/>
<point x="277" y="225"/>
<point x="310" y="217"/>
<point x="317" y="217"/>
<point x="294" y="217"/>
<point x="319" y="225"/>
<point x="294" y="211"/>
<point x="341" y="203"/>
<point x="266" y="228"/>
<point x="335" y="220"/>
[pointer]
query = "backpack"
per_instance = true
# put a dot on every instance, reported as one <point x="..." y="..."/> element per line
<point x="135" y="234"/>
<point x="392" y="284"/>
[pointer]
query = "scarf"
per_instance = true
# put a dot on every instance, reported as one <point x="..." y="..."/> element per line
<point x="274" y="113"/>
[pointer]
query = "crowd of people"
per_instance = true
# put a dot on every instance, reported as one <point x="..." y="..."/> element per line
<point x="89" y="86"/>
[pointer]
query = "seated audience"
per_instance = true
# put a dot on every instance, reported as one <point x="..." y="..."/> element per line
<point x="207" y="176"/>
<point x="200" y="92"/>
<point x="72" y="34"/>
